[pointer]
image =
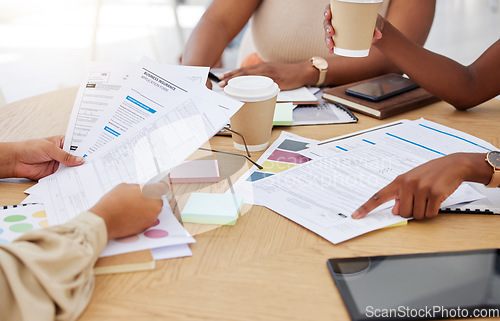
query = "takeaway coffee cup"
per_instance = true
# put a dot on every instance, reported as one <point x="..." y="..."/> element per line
<point x="254" y="121"/>
<point x="354" y="22"/>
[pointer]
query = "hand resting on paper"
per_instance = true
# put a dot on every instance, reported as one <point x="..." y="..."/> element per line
<point x="420" y="191"/>
<point x="127" y="209"/>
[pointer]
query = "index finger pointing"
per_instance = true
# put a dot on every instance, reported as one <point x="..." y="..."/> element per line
<point x="384" y="195"/>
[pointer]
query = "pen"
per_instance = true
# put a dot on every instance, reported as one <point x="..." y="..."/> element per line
<point x="213" y="77"/>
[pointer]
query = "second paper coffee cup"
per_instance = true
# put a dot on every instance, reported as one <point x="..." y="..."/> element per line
<point x="354" y="22"/>
<point x="254" y="121"/>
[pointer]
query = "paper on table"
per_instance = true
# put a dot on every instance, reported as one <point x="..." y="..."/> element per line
<point x="283" y="151"/>
<point x="33" y="198"/>
<point x="322" y="194"/>
<point x="171" y="252"/>
<point x="301" y="95"/>
<point x="142" y="153"/>
<point x="132" y="104"/>
<point x="429" y="137"/>
<point x="167" y="231"/>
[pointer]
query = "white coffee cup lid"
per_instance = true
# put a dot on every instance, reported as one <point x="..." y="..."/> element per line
<point x="251" y="88"/>
<point x="362" y="1"/>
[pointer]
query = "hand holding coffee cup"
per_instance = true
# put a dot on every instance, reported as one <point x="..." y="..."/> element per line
<point x="254" y="120"/>
<point x="351" y="26"/>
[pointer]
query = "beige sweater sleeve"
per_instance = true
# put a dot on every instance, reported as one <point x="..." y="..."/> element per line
<point x="47" y="274"/>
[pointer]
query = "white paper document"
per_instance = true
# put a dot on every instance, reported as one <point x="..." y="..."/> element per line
<point x="426" y="137"/>
<point x="322" y="194"/>
<point x="142" y="153"/>
<point x="102" y="82"/>
<point x="100" y="88"/>
<point x="154" y="88"/>
<point x="171" y="252"/>
<point x="297" y="96"/>
<point x="166" y="232"/>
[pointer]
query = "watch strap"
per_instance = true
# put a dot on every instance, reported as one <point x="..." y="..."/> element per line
<point x="322" y="66"/>
<point x="495" y="177"/>
<point x="322" y="76"/>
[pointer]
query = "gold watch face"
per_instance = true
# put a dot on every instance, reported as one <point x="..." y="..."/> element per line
<point x="494" y="159"/>
<point x="320" y="63"/>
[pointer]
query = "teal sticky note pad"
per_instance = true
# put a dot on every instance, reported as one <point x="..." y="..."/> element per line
<point x="283" y="114"/>
<point x="207" y="208"/>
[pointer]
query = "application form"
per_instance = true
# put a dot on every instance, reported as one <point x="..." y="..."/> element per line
<point x="322" y="194"/>
<point x="429" y="137"/>
<point x="102" y="84"/>
<point x="131" y="105"/>
<point x="145" y="152"/>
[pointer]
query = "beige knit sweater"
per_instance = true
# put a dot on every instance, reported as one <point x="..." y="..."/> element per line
<point x="288" y="31"/>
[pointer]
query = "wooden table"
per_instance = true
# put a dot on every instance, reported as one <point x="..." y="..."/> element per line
<point x="265" y="267"/>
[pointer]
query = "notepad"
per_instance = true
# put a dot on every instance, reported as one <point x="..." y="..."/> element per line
<point x="196" y="171"/>
<point x="283" y="114"/>
<point x="127" y="262"/>
<point x="207" y="208"/>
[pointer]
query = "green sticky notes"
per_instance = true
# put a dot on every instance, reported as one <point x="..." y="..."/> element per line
<point x="207" y="208"/>
<point x="283" y="114"/>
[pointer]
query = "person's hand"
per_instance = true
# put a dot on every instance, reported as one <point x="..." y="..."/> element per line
<point x="329" y="31"/>
<point x="287" y="76"/>
<point x="127" y="210"/>
<point x="38" y="158"/>
<point x="421" y="191"/>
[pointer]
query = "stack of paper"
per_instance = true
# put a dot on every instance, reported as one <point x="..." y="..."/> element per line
<point x="134" y="123"/>
<point x="334" y="177"/>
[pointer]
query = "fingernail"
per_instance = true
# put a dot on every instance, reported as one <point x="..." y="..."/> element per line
<point x="79" y="159"/>
<point x="355" y="214"/>
<point x="328" y="29"/>
<point x="222" y="83"/>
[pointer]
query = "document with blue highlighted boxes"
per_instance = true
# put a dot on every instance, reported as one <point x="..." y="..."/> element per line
<point x="132" y="104"/>
<point x="146" y="151"/>
<point x="322" y="194"/>
<point x="101" y="85"/>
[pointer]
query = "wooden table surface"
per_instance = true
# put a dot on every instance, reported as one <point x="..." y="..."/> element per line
<point x="265" y="267"/>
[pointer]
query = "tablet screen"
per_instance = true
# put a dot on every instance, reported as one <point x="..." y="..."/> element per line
<point x="420" y="286"/>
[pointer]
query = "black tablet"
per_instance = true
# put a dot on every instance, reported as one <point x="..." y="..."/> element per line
<point x="382" y="87"/>
<point x="420" y="286"/>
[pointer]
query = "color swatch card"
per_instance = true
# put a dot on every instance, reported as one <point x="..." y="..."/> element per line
<point x="16" y="220"/>
<point x="282" y="155"/>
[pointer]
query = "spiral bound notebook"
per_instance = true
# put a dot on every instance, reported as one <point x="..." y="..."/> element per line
<point x="488" y="205"/>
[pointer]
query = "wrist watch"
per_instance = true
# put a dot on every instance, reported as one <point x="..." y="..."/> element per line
<point x="493" y="158"/>
<point x="322" y="65"/>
